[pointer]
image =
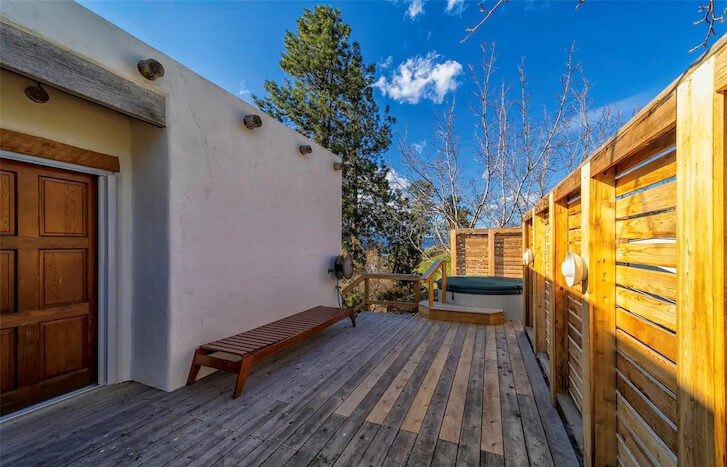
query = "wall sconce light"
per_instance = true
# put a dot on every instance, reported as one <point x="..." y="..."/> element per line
<point x="574" y="269"/>
<point x="338" y="166"/>
<point x="252" y="121"/>
<point x="37" y="94"/>
<point x="150" y="69"/>
<point x="305" y="149"/>
<point x="528" y="257"/>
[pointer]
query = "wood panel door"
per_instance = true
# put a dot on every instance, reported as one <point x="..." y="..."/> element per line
<point x="48" y="321"/>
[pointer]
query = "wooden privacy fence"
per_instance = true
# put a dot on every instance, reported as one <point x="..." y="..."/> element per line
<point x="486" y="252"/>
<point x="638" y="348"/>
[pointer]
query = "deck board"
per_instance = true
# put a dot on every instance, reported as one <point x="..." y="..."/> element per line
<point x="393" y="391"/>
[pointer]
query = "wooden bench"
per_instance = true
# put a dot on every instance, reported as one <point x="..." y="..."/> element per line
<point x="260" y="343"/>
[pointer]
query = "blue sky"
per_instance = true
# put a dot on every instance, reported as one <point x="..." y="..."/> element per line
<point x="629" y="50"/>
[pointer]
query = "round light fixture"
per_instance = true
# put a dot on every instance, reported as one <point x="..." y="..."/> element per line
<point x="305" y="149"/>
<point x="574" y="269"/>
<point x="150" y="69"/>
<point x="252" y="121"/>
<point x="37" y="94"/>
<point x="528" y="257"/>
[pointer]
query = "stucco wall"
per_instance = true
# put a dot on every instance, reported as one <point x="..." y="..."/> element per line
<point x="232" y="228"/>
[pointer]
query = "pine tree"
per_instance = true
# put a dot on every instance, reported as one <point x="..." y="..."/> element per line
<point x="328" y="96"/>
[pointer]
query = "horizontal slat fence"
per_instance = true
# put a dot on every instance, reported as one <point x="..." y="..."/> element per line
<point x="639" y="346"/>
<point x="486" y="252"/>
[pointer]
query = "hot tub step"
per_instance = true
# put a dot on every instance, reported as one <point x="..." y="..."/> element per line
<point x="465" y="314"/>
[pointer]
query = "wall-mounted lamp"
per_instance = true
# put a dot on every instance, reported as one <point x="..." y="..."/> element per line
<point x="528" y="257"/>
<point x="337" y="166"/>
<point x="574" y="269"/>
<point x="252" y="121"/>
<point x="37" y="94"/>
<point x="305" y="149"/>
<point x="150" y="69"/>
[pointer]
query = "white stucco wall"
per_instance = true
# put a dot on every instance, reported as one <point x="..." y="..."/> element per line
<point x="224" y="229"/>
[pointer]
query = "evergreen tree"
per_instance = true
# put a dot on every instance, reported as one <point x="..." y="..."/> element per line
<point x="328" y="96"/>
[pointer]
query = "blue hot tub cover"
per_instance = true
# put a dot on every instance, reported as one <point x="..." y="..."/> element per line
<point x="483" y="285"/>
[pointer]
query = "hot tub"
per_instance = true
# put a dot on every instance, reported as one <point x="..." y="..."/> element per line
<point x="487" y="292"/>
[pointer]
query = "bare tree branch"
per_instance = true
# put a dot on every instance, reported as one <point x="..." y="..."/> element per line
<point x="488" y="13"/>
<point x="710" y="17"/>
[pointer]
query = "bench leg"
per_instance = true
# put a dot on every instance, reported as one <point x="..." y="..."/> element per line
<point x="245" y="365"/>
<point x="353" y="319"/>
<point x="194" y="370"/>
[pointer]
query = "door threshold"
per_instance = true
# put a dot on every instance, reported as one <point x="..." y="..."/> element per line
<point x="44" y="404"/>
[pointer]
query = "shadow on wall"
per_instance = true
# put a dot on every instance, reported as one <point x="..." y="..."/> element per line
<point x="151" y="315"/>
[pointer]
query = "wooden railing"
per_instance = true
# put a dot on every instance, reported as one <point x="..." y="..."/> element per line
<point x="428" y="276"/>
<point x="416" y="279"/>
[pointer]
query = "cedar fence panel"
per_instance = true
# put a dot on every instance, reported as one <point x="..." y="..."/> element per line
<point x="486" y="252"/>
<point x="639" y="346"/>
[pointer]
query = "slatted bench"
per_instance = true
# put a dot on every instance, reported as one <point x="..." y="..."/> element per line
<point x="260" y="343"/>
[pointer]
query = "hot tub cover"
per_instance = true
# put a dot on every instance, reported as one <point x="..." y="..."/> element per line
<point x="483" y="285"/>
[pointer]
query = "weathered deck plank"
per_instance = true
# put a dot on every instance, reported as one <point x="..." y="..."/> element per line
<point x="469" y="394"/>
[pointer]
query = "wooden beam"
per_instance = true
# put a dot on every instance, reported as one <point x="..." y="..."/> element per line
<point x="527" y="286"/>
<point x="541" y="205"/>
<point x="539" y="285"/>
<point x="558" y="225"/>
<point x="48" y="149"/>
<point x="453" y="252"/>
<point x="491" y="252"/>
<point x="601" y="299"/>
<point x="587" y="409"/>
<point x="700" y="269"/>
<point x="36" y="58"/>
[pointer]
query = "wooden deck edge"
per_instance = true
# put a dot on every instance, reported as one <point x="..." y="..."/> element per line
<point x="442" y="314"/>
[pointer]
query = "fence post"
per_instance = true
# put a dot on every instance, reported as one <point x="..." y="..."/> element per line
<point x="558" y="225"/>
<point x="539" y="283"/>
<point x="526" y="276"/>
<point x="491" y="252"/>
<point x="453" y="251"/>
<point x="700" y="161"/>
<point x="601" y="299"/>
<point x="587" y="409"/>
<point x="443" y="298"/>
<point x="366" y="292"/>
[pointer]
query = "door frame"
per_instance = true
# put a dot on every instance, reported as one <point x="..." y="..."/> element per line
<point x="107" y="265"/>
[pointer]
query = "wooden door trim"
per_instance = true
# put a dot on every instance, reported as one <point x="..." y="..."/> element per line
<point x="48" y="149"/>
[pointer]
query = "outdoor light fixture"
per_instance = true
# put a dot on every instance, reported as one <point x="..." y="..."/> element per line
<point x="37" y="94"/>
<point x="528" y="257"/>
<point x="337" y="166"/>
<point x="305" y="149"/>
<point x="574" y="269"/>
<point x="252" y="121"/>
<point x="150" y="69"/>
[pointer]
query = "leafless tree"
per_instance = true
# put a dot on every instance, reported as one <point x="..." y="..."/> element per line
<point x="708" y="11"/>
<point x="588" y="127"/>
<point x="441" y="190"/>
<point x="516" y="154"/>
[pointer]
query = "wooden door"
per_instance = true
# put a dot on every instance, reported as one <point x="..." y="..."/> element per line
<point x="48" y="329"/>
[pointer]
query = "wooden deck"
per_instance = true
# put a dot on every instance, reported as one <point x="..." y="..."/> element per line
<point x="395" y="390"/>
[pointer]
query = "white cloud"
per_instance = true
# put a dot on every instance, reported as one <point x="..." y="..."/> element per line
<point x="396" y="181"/>
<point x="416" y="8"/>
<point x="386" y="63"/>
<point x="455" y="7"/>
<point x="421" y="78"/>
<point x="419" y="147"/>
<point x="243" y="90"/>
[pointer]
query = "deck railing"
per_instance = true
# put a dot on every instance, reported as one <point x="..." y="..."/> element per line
<point x="427" y="277"/>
